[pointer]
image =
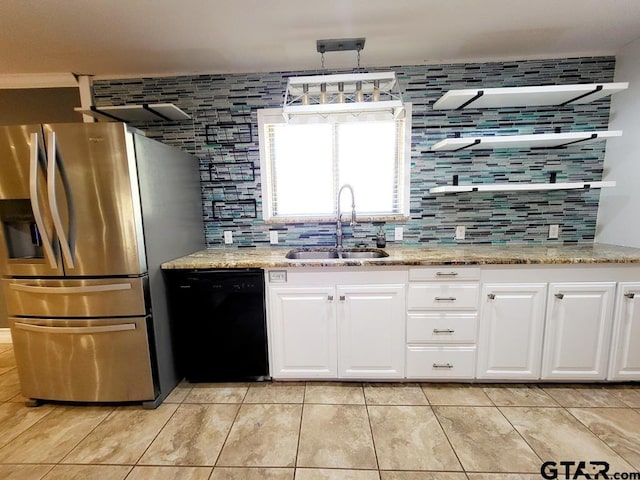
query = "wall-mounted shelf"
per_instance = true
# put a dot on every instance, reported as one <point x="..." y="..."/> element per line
<point x="145" y="112"/>
<point x="526" y="96"/>
<point x="538" y="140"/>
<point x="516" y="187"/>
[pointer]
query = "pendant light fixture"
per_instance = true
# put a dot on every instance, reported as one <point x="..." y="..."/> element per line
<point x="374" y="94"/>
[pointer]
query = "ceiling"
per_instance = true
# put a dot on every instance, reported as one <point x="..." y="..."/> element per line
<point x="126" y="38"/>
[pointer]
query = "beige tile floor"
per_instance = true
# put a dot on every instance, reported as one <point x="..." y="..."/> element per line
<point x="321" y="431"/>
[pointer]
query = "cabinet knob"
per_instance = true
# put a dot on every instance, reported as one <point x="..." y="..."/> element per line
<point x="559" y="296"/>
<point x="630" y="295"/>
<point x="330" y="298"/>
<point x="342" y="298"/>
<point x="442" y="365"/>
<point x="491" y="296"/>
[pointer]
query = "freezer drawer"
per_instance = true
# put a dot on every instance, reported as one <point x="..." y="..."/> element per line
<point x="111" y="297"/>
<point x="104" y="360"/>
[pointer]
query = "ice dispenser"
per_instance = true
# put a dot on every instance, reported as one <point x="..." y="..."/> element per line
<point x="20" y="231"/>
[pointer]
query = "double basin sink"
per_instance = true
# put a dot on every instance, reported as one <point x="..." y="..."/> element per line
<point x="328" y="253"/>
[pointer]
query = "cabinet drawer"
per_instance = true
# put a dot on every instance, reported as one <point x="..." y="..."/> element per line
<point x="440" y="362"/>
<point x="444" y="274"/>
<point x="441" y="327"/>
<point x="443" y="296"/>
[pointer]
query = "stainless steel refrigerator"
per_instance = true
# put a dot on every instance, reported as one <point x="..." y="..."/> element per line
<point x="88" y="212"/>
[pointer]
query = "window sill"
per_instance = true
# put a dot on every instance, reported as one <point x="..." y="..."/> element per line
<point x="345" y="217"/>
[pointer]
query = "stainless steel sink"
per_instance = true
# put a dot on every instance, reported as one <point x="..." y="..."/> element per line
<point x="300" y="254"/>
<point x="333" y="253"/>
<point x="363" y="253"/>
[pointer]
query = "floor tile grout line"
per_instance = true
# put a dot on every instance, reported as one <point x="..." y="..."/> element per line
<point x="31" y="426"/>
<point x="444" y="432"/>
<point x="295" y="461"/>
<point x="373" y="438"/>
<point x="520" y="433"/>
<point x="155" y="437"/>
<point x="595" y="434"/>
<point x="226" y="438"/>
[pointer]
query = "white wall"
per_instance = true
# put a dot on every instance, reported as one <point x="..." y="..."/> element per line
<point x="619" y="210"/>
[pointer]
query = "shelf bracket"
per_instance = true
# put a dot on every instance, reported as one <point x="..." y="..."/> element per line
<point x="93" y="108"/>
<point x="471" y="100"/>
<point x="592" y="137"/>
<point x="146" y="107"/>
<point x="476" y="141"/>
<point x="595" y="90"/>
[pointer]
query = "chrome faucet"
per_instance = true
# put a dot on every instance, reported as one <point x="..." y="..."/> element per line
<point x="339" y="217"/>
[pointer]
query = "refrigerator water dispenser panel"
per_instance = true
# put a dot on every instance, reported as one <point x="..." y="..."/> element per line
<point x="20" y="230"/>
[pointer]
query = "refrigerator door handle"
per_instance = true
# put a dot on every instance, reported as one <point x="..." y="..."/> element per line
<point x="53" y="201"/>
<point x="66" y="290"/>
<point x="34" y="151"/>
<point x="81" y="330"/>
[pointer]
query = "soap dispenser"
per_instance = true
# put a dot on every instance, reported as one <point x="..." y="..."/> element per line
<point x="381" y="237"/>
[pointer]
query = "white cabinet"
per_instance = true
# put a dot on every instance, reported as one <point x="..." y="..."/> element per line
<point x="337" y="326"/>
<point x="442" y="322"/>
<point x="625" y="345"/>
<point x="511" y="328"/>
<point x="578" y="331"/>
<point x="370" y="331"/>
<point x="303" y="332"/>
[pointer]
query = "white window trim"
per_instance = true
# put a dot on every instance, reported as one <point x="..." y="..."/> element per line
<point x="274" y="115"/>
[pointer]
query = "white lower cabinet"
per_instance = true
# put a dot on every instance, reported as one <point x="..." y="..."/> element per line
<point x="447" y="361"/>
<point x="625" y="346"/>
<point x="303" y="332"/>
<point x="442" y="322"/>
<point x="337" y="330"/>
<point x="511" y="329"/>
<point x="578" y="331"/>
<point x="370" y="331"/>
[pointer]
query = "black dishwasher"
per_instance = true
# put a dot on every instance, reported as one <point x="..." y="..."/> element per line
<point x="218" y="324"/>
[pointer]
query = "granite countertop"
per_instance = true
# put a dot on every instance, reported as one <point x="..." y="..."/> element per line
<point x="264" y="257"/>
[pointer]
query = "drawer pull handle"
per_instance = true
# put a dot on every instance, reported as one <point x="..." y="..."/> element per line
<point x="445" y="299"/>
<point x="559" y="296"/>
<point x="442" y="365"/>
<point x="446" y="274"/>
<point x="491" y="296"/>
<point x="443" y="330"/>
<point x="630" y="295"/>
<point x="342" y="298"/>
<point x="330" y="298"/>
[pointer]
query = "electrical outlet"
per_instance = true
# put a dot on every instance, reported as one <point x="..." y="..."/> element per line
<point x="273" y="237"/>
<point x="460" y="232"/>
<point x="554" y="231"/>
<point x="398" y="234"/>
<point x="228" y="237"/>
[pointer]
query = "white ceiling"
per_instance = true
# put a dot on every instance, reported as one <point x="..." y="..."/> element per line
<point x="120" y="38"/>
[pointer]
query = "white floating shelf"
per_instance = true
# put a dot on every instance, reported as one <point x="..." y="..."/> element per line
<point x="136" y="113"/>
<point x="515" y="187"/>
<point x="538" y="140"/>
<point x="526" y="96"/>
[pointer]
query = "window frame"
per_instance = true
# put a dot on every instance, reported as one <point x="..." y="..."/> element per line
<point x="269" y="116"/>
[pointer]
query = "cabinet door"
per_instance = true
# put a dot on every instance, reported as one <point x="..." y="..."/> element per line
<point x="625" y="354"/>
<point x="511" y="328"/>
<point x="578" y="331"/>
<point x="371" y="331"/>
<point x="303" y="332"/>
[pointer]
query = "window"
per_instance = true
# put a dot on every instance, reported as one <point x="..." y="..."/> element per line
<point x="305" y="164"/>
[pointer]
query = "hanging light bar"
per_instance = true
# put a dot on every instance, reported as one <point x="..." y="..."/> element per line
<point x="351" y="93"/>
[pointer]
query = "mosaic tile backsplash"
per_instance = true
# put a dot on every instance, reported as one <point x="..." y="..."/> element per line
<point x="223" y="135"/>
